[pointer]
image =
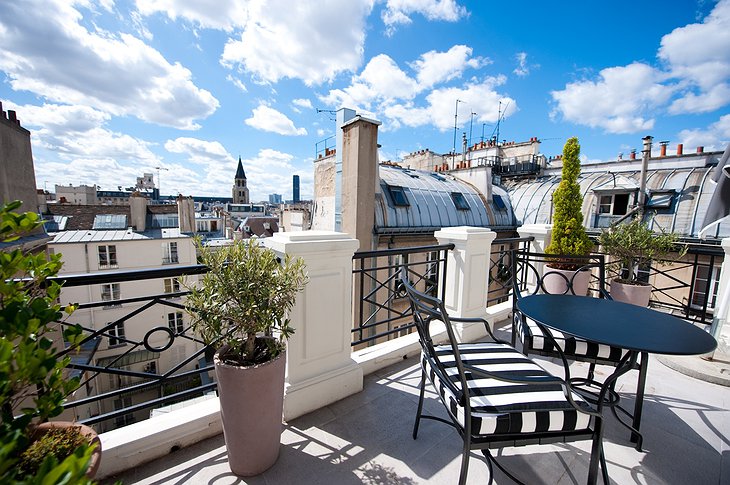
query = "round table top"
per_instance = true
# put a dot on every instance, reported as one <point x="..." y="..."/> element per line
<point x="618" y="324"/>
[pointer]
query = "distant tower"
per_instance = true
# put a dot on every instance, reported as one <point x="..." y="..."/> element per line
<point x="295" y="181"/>
<point x="240" y="191"/>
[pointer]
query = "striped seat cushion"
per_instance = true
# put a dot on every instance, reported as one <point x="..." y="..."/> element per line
<point x="501" y="407"/>
<point x="534" y="339"/>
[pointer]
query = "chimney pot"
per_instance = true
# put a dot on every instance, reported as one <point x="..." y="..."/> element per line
<point x="663" y="150"/>
<point x="680" y="149"/>
<point x="633" y="154"/>
<point x="700" y="149"/>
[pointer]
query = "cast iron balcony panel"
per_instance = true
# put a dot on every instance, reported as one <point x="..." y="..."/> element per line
<point x="138" y="361"/>
<point x="382" y="311"/>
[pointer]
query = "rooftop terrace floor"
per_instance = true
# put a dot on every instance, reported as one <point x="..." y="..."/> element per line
<point x="366" y="438"/>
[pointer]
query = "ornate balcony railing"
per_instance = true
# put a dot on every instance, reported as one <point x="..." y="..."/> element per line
<point x="689" y="287"/>
<point x="123" y="378"/>
<point x="500" y="267"/>
<point x="381" y="310"/>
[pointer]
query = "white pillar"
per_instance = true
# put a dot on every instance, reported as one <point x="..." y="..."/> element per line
<point x="467" y="273"/>
<point x="541" y="234"/>
<point x="320" y="369"/>
<point x="720" y="329"/>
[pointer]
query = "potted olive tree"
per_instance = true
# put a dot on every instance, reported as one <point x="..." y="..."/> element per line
<point x="569" y="237"/>
<point x="241" y="306"/>
<point x="33" y="385"/>
<point x="633" y="245"/>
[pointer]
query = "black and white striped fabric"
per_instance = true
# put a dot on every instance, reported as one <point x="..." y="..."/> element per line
<point x="502" y="407"/>
<point x="574" y="348"/>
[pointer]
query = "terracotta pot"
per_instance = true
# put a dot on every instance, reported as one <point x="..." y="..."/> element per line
<point x="638" y="295"/>
<point x="252" y="402"/>
<point x="87" y="431"/>
<point x="565" y="282"/>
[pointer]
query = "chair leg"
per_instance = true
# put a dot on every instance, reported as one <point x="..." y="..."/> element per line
<point x="420" y="404"/>
<point x="591" y="371"/>
<point x="464" y="462"/>
<point x="639" y="404"/>
<point x="604" y="468"/>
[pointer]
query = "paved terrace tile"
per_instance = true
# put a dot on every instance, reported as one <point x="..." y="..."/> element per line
<point x="366" y="438"/>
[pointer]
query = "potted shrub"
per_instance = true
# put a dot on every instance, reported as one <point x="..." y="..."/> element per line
<point x="632" y="245"/>
<point x="569" y="237"/>
<point x="33" y="386"/>
<point x="241" y="305"/>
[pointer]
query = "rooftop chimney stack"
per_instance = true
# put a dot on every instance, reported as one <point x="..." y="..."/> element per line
<point x="663" y="148"/>
<point x="633" y="154"/>
<point x="700" y="149"/>
<point x="680" y="149"/>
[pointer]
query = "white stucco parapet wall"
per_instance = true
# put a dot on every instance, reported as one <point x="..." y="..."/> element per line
<point x="320" y="368"/>
<point x="467" y="275"/>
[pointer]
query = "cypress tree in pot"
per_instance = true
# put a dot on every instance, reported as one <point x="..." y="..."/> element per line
<point x="569" y="237"/>
<point x="242" y="305"/>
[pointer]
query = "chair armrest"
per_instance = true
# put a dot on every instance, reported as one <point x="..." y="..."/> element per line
<point x="520" y="380"/>
<point x="479" y="320"/>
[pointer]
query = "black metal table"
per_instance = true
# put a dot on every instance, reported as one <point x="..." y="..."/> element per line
<point x="636" y="329"/>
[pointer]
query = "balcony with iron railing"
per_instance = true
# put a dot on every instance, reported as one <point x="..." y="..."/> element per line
<point x="120" y="387"/>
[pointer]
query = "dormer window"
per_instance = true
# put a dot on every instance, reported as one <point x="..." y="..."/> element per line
<point x="614" y="204"/>
<point x="460" y="201"/>
<point x="398" y="196"/>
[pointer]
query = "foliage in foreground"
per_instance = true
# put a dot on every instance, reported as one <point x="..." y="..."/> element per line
<point x="33" y="386"/>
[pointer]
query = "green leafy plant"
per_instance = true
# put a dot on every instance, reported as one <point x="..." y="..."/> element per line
<point x="632" y="245"/>
<point x="33" y="386"/>
<point x="569" y="237"/>
<point x="55" y="442"/>
<point x="247" y="293"/>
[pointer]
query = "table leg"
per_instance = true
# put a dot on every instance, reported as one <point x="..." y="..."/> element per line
<point x="596" y="452"/>
<point x="639" y="405"/>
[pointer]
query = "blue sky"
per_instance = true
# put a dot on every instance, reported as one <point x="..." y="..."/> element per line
<point x="111" y="89"/>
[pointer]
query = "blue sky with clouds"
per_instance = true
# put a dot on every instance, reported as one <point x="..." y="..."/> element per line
<point x="111" y="89"/>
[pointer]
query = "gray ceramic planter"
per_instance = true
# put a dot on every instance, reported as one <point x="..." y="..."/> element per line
<point x="252" y="400"/>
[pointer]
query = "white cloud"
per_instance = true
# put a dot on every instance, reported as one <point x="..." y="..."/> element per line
<point x="522" y="68"/>
<point x="218" y="14"/>
<point x="311" y="41"/>
<point x="383" y="84"/>
<point x="46" y="50"/>
<point x="399" y="12"/>
<point x="478" y="97"/>
<point x="302" y="103"/>
<point x="436" y="67"/>
<point x="694" y="79"/>
<point x="268" y="119"/>
<point x="619" y="101"/>
<point x="200" y="151"/>
<point x="714" y="137"/>
<point x="699" y="54"/>
<point x="237" y="82"/>
<point x="79" y="132"/>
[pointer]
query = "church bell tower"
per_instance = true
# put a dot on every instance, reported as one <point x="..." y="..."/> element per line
<point x="240" y="191"/>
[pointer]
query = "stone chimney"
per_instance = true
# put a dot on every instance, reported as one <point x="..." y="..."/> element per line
<point x="138" y="212"/>
<point x="360" y="179"/>
<point x="185" y="214"/>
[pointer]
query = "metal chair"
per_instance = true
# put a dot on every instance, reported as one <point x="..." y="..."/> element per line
<point x="494" y="395"/>
<point x="529" y="274"/>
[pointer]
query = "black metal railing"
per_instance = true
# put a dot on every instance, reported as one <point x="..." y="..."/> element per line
<point x="688" y="287"/>
<point x="126" y="371"/>
<point x="500" y="267"/>
<point x="382" y="311"/>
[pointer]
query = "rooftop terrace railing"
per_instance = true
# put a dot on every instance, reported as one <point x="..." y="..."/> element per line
<point x="121" y="378"/>
<point x="382" y="311"/>
<point x="500" y="267"/>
